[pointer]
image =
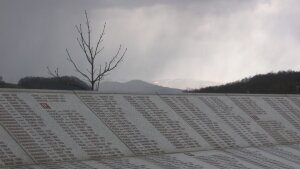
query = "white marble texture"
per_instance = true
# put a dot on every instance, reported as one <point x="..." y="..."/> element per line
<point x="65" y="129"/>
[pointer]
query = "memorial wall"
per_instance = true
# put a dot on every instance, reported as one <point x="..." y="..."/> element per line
<point x="87" y="130"/>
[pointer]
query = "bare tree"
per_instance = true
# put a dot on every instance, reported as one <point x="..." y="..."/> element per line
<point x="94" y="73"/>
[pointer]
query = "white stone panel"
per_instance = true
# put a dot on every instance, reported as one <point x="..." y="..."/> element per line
<point x="144" y="123"/>
<point x="272" y="113"/>
<point x="11" y="154"/>
<point x="53" y="127"/>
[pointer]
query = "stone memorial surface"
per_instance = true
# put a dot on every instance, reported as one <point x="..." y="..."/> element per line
<point x="274" y="119"/>
<point x="282" y="157"/>
<point x="218" y="122"/>
<point x="11" y="153"/>
<point x="261" y="159"/>
<point x="219" y="159"/>
<point x="54" y="127"/>
<point x="238" y="121"/>
<point x="88" y="130"/>
<point x="144" y="123"/>
<point x="130" y="163"/>
<point x="174" y="129"/>
<point x="123" y="123"/>
<point x="177" y="161"/>
<point x="285" y="107"/>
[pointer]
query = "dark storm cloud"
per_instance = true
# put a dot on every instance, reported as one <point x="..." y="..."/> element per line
<point x="208" y="39"/>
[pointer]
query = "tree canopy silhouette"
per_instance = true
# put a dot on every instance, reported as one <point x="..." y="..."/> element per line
<point x="283" y="82"/>
<point x="57" y="83"/>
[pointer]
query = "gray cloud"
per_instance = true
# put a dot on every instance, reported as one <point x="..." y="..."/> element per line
<point x="207" y="40"/>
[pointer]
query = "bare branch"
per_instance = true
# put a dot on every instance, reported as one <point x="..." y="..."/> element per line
<point x="99" y="51"/>
<point x="113" y="63"/>
<point x="82" y="46"/>
<point x="88" y="27"/>
<point x="53" y="74"/>
<point x="89" y="36"/>
<point x="100" y="40"/>
<point x="98" y="81"/>
<point x="76" y="68"/>
<point x="79" y="30"/>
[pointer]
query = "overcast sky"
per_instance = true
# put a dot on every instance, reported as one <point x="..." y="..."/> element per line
<point x="212" y="40"/>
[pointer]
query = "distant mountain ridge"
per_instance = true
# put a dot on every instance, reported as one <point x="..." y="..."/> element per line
<point x="134" y="86"/>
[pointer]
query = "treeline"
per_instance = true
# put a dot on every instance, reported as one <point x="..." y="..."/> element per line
<point x="283" y="82"/>
<point x="8" y="85"/>
<point x="57" y="83"/>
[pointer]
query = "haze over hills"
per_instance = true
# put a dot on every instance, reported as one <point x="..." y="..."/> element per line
<point x="134" y="86"/>
<point x="73" y="83"/>
<point x="283" y="82"/>
<point x="184" y="83"/>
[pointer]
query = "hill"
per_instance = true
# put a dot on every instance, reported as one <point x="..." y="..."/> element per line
<point x="57" y="83"/>
<point x="73" y="83"/>
<point x="283" y="82"/>
<point x="8" y="85"/>
<point x="134" y="86"/>
<point x="184" y="83"/>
